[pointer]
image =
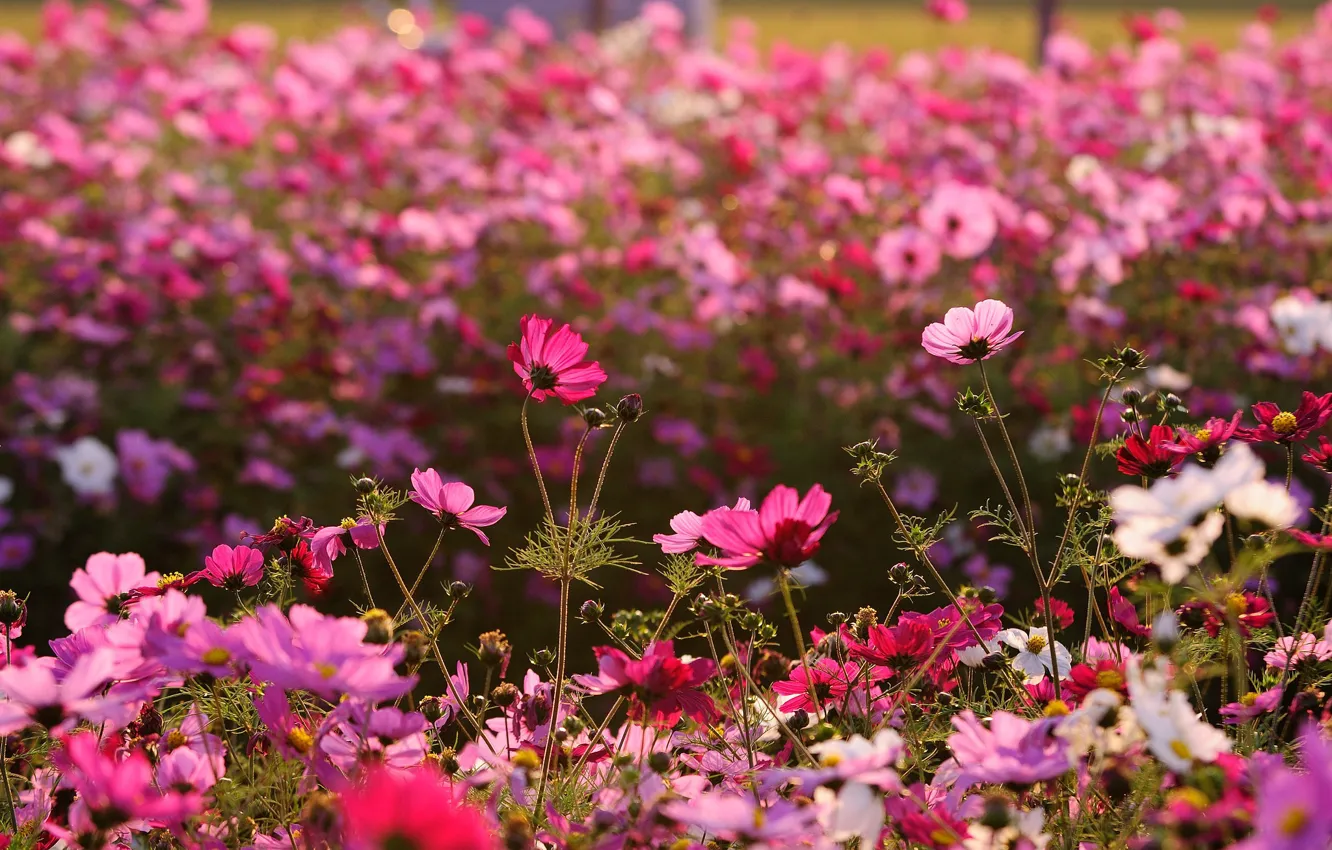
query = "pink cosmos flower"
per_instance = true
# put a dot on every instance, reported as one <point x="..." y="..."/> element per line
<point x="232" y="569"/>
<point x="962" y="218"/>
<point x="830" y="681"/>
<point x="948" y="11"/>
<point x="688" y="528"/>
<point x="785" y="530"/>
<point x="553" y="364"/>
<point x="1009" y="749"/>
<point x="660" y="686"/>
<point x="292" y="734"/>
<point x="36" y="693"/>
<point x="907" y="254"/>
<point x="326" y="545"/>
<point x="115" y="790"/>
<point x="1207" y="441"/>
<point x="415" y="808"/>
<point x="452" y="503"/>
<point x="103" y="586"/>
<point x="1252" y="705"/>
<point x="968" y="336"/>
<point x="1290" y="650"/>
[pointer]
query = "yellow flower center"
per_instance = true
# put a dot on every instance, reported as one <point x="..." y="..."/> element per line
<point x="1236" y="603"/>
<point x="1035" y="643"/>
<point x="216" y="655"/>
<point x="526" y="759"/>
<point x="1181" y="749"/>
<point x="1249" y="699"/>
<point x="170" y="579"/>
<point x="1192" y="796"/>
<point x="1294" y="821"/>
<point x="831" y="759"/>
<point x="347" y="522"/>
<point x="327" y="671"/>
<point x="1056" y="708"/>
<point x="759" y="818"/>
<point x="943" y="837"/>
<point x="1284" y="423"/>
<point x="1111" y="680"/>
<point x="1203" y="433"/>
<point x="175" y="739"/>
<point x="300" y="741"/>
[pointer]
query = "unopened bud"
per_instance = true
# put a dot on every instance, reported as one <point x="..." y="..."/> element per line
<point x="659" y="761"/>
<point x="365" y="486"/>
<point x="378" y="626"/>
<point x="505" y="695"/>
<point x="543" y="658"/>
<point x="629" y="408"/>
<point x="13" y="611"/>
<point x="798" y="720"/>
<point x="432" y="709"/>
<point x="1131" y="358"/>
<point x="1131" y="396"/>
<point x="459" y="590"/>
<point x="591" y="611"/>
<point x="594" y="417"/>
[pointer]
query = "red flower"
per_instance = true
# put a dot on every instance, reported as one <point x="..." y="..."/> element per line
<point x="1063" y="612"/>
<point x="1107" y="674"/>
<point x="1320" y="458"/>
<point x="1278" y="426"/>
<point x="659" y="684"/>
<point x="1250" y="611"/>
<point x="414" y="808"/>
<point x="1313" y="541"/>
<point x="1149" y="458"/>
<point x="313" y="575"/>
<point x="785" y="530"/>
<point x="901" y="647"/>
<point x="828" y="679"/>
<point x="1123" y="612"/>
<point x="552" y="364"/>
<point x="1206" y="442"/>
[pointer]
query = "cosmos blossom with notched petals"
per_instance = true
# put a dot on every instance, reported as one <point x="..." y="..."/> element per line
<point x="784" y="531"/>
<point x="969" y="335"/>
<point x="552" y="364"/>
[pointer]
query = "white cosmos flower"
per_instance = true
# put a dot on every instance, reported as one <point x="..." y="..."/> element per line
<point x="1086" y="730"/>
<point x="1173" y="549"/>
<point x="1023" y="830"/>
<point x="975" y="655"/>
<point x="1303" y="325"/>
<point x="1033" y="658"/>
<point x="1264" y="502"/>
<point x="1175" y="733"/>
<point x="854" y="811"/>
<point x="88" y="466"/>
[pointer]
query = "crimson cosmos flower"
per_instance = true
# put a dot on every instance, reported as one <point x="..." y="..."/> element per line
<point x="661" y="686"/>
<point x="901" y="647"/>
<point x="1279" y="426"/>
<point x="785" y="530"/>
<point x="553" y="364"/>
<point x="1149" y="457"/>
<point x="1320" y="458"/>
<point x="1206" y="442"/>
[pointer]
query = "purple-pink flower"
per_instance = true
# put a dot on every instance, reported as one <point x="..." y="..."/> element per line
<point x="688" y="528"/>
<point x="452" y="502"/>
<point x="104" y="585"/>
<point x="784" y="531"/>
<point x="969" y="336"/>
<point x="233" y="568"/>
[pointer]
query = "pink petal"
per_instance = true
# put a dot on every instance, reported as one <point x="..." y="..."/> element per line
<point x="993" y="319"/>
<point x="961" y="324"/>
<point x="456" y="497"/>
<point x="482" y="515"/>
<point x="779" y="505"/>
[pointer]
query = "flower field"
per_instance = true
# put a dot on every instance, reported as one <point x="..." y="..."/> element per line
<point x="393" y="445"/>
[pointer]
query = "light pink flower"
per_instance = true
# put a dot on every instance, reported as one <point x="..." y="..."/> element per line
<point x="962" y="218"/>
<point x="968" y="336"/>
<point x="104" y="585"/>
<point x="452" y="503"/>
<point x="907" y="254"/>
<point x="688" y="528"/>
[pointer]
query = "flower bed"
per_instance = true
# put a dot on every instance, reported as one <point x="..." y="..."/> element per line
<point x="275" y="725"/>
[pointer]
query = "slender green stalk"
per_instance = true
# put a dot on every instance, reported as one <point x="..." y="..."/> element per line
<point x="536" y="465"/>
<point x="420" y="576"/>
<point x="784" y="585"/>
<point x="547" y="765"/>
<point x="605" y="464"/>
<point x="1315" y="574"/>
<point x="573" y="480"/>
<point x="4" y="754"/>
<point x="1012" y="453"/>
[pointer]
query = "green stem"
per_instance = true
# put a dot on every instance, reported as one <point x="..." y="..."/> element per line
<point x="784" y="584"/>
<point x="546" y="762"/>
<point x="605" y="464"/>
<point x="1012" y="454"/>
<point x="420" y="576"/>
<point x="536" y="465"/>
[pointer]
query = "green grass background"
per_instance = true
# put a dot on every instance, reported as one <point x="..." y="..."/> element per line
<point x="811" y="24"/>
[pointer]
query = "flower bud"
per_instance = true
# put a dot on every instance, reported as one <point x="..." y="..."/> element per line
<point x="494" y="648"/>
<point x="629" y="408"/>
<point x="1131" y="396"/>
<point x="573" y="725"/>
<point x="448" y="761"/>
<point x="1171" y="402"/>
<point x="659" y="761"/>
<point x="378" y="626"/>
<point x="413" y="646"/>
<point x="594" y="417"/>
<point x="1130" y="358"/>
<point x="799" y="720"/>
<point x="365" y="486"/>
<point x="432" y="709"/>
<point x="505" y="695"/>
<point x="996" y="814"/>
<point x="13" y="611"/>
<point x="837" y="618"/>
<point x="1128" y="415"/>
<point x="591" y="611"/>
<point x="752" y="621"/>
<point x="320" y="815"/>
<point x="543" y="658"/>
<point x="459" y="590"/>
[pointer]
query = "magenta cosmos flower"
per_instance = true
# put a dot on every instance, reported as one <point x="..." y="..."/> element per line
<point x="784" y="531"/>
<point x="232" y="569"/>
<point x="1280" y="426"/>
<point x="969" y="336"/>
<point x="659" y="684"/>
<point x="553" y="364"/>
<point x="414" y="808"/>
<point x="688" y="528"/>
<point x="452" y="503"/>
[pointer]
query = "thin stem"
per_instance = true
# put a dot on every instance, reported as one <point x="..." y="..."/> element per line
<point x="784" y="584"/>
<point x="536" y="465"/>
<point x="434" y="644"/>
<point x="4" y="754"/>
<point x="420" y="576"/>
<point x="365" y="579"/>
<point x="546" y="765"/>
<point x="1315" y="574"/>
<point x="1050" y="635"/>
<point x="1012" y="453"/>
<point x="776" y="713"/>
<point x="605" y="464"/>
<point x="1027" y="548"/>
<point x="1290" y="464"/>
<point x="573" y="480"/>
